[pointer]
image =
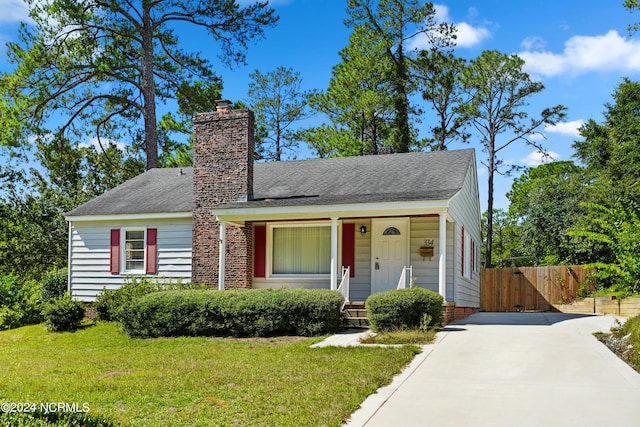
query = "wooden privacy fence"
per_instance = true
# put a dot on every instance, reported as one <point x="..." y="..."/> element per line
<point x="529" y="288"/>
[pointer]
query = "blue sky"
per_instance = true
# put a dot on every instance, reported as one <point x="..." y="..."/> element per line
<point x="580" y="50"/>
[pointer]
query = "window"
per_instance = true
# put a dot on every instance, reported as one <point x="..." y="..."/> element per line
<point x="138" y="250"/>
<point x="134" y="250"/>
<point x="299" y="250"/>
<point x="391" y="231"/>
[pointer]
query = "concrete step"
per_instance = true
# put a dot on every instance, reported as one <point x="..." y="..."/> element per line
<point x="355" y="322"/>
<point x="354" y="315"/>
<point x="354" y="312"/>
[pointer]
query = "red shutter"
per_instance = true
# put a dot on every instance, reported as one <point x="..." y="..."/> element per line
<point x="260" y="251"/>
<point x="463" y="251"/>
<point x="152" y="250"/>
<point x="114" y="263"/>
<point x="349" y="247"/>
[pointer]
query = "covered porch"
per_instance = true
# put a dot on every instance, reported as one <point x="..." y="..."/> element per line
<point x="358" y="250"/>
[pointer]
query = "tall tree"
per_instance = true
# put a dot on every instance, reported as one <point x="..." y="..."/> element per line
<point x="103" y="65"/>
<point x="506" y="238"/>
<point x="499" y="91"/>
<point x="438" y="76"/>
<point x="357" y="102"/>
<point x="278" y="101"/>
<point x="545" y="201"/>
<point x="391" y="25"/>
<point x="610" y="150"/>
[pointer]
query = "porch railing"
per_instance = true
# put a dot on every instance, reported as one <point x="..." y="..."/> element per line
<point x="343" y="288"/>
<point x="405" y="279"/>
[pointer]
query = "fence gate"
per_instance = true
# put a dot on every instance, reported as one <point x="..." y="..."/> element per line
<point x="529" y="288"/>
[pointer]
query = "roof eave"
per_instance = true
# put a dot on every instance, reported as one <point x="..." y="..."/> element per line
<point x="129" y="217"/>
<point x="277" y="213"/>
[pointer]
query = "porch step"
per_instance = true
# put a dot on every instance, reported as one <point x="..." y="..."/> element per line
<point x="354" y="315"/>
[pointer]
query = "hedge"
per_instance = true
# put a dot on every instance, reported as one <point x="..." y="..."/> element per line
<point x="109" y="304"/>
<point x="238" y="313"/>
<point x="404" y="308"/>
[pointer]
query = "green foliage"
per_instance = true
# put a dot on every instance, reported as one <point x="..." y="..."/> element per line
<point x="63" y="314"/>
<point x="109" y="303"/>
<point x="20" y="303"/>
<point x="499" y="91"/>
<point x="41" y="418"/>
<point x="404" y="308"/>
<point x="278" y="101"/>
<point x="545" y="204"/>
<point x="263" y="312"/>
<point x="439" y="76"/>
<point x="104" y="68"/>
<point x="54" y="284"/>
<point x="610" y="150"/>
<point x="367" y="100"/>
<point x="619" y="229"/>
<point x="632" y="327"/>
<point x="186" y="382"/>
<point x="505" y="250"/>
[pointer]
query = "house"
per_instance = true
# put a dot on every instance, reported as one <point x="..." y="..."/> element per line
<point x="230" y="222"/>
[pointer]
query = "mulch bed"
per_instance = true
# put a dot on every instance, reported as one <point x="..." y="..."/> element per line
<point x="622" y="348"/>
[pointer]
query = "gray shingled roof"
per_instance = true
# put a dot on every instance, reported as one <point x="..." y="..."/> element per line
<point x="395" y="177"/>
<point x="155" y="191"/>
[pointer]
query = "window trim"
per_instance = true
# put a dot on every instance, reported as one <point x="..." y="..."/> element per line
<point x="269" y="249"/>
<point x="123" y="251"/>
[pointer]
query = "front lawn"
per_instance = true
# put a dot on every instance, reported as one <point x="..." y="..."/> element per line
<point x="193" y="381"/>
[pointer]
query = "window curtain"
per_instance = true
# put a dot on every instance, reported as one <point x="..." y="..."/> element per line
<point x="302" y="250"/>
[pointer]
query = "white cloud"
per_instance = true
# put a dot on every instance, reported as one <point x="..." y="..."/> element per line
<point x="93" y="142"/>
<point x="467" y="34"/>
<point x="584" y="54"/>
<point x="531" y="43"/>
<point x="13" y="11"/>
<point x="566" y="128"/>
<point x="537" y="158"/>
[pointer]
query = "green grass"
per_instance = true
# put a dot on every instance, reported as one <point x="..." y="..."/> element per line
<point x="406" y="336"/>
<point x="193" y="381"/>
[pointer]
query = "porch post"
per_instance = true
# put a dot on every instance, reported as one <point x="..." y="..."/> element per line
<point x="442" y="263"/>
<point x="334" y="254"/>
<point x="221" y="254"/>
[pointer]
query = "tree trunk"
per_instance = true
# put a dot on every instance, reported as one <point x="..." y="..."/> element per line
<point x="148" y="91"/>
<point x="491" y="169"/>
<point x="401" y="104"/>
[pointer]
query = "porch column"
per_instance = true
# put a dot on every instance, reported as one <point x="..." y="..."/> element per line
<point x="442" y="262"/>
<point x="221" y="254"/>
<point x="334" y="254"/>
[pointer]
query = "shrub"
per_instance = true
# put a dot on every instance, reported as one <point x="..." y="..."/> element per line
<point x="63" y="314"/>
<point x="404" y="308"/>
<point x="110" y="302"/>
<point x="239" y="313"/>
<point x="54" y="284"/>
<point x="42" y="418"/>
<point x="20" y="303"/>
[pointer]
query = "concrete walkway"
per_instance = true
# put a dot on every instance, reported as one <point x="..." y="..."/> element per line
<point x="511" y="369"/>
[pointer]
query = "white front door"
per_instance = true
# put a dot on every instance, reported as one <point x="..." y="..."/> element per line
<point x="389" y="250"/>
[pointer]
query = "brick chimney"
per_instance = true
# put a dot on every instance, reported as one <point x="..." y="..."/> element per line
<point x="222" y="173"/>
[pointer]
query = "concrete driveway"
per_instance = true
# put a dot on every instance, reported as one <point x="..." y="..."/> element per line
<point x="511" y="369"/>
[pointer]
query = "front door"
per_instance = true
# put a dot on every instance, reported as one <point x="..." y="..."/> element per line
<point x="389" y="250"/>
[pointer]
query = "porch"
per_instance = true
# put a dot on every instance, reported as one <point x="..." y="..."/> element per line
<point x="374" y="251"/>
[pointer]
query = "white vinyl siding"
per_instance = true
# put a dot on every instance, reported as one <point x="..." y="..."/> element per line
<point x="90" y="246"/>
<point x="426" y="270"/>
<point x="464" y="208"/>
